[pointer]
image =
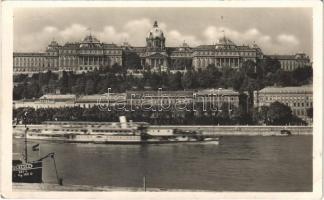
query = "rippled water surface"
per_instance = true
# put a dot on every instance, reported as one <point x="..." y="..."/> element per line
<point x="237" y="164"/>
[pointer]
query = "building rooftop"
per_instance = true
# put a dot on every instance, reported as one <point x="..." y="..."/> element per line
<point x="300" y="89"/>
<point x="100" y="97"/>
<point x="219" y="91"/>
<point x="289" y="57"/>
<point x="58" y="97"/>
<point x="29" y="54"/>
<point x="157" y="93"/>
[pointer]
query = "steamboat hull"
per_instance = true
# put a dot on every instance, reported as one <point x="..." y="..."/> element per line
<point x="121" y="140"/>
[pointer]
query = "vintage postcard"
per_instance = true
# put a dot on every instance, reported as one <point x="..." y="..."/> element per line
<point x="159" y="99"/>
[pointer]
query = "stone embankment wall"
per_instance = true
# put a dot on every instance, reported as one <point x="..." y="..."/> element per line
<point x="207" y="130"/>
<point x="243" y="130"/>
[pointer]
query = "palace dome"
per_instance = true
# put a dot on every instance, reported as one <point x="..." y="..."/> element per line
<point x="155" y="32"/>
<point x="225" y="41"/>
<point x="53" y="46"/>
<point x="90" y="41"/>
<point x="53" y="43"/>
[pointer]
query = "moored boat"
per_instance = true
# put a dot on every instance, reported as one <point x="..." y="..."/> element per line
<point x="30" y="171"/>
<point x="111" y="133"/>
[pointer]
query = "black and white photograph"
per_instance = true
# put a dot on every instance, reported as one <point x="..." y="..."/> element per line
<point x="165" y="99"/>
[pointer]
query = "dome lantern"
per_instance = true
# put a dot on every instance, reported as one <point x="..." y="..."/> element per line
<point x="155" y="24"/>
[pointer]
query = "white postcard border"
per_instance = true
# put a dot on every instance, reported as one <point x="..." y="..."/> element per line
<point x="7" y="85"/>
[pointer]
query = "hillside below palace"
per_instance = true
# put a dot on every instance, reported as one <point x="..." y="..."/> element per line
<point x="91" y="54"/>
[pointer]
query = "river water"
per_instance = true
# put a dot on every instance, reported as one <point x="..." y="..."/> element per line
<point x="238" y="163"/>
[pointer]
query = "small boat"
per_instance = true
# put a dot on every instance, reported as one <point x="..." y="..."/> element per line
<point x="285" y="132"/>
<point x="25" y="171"/>
<point x="30" y="171"/>
<point x="212" y="140"/>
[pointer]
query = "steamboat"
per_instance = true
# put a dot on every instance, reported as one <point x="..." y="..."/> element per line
<point x="122" y="132"/>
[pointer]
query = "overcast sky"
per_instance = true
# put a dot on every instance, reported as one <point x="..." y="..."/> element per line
<point x="275" y="30"/>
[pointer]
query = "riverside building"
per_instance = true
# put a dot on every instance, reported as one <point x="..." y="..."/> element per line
<point x="136" y="99"/>
<point x="91" y="54"/>
<point x="299" y="99"/>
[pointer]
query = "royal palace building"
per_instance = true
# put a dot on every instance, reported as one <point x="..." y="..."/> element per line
<point x="291" y="62"/>
<point x="88" y="55"/>
<point x="91" y="54"/>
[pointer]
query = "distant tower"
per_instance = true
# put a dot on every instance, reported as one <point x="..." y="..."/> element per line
<point x="155" y="39"/>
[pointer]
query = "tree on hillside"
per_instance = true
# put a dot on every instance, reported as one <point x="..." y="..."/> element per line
<point x="260" y="115"/>
<point x="90" y="87"/>
<point x="284" y="78"/>
<point x="279" y="114"/>
<point x="175" y="81"/>
<point x="249" y="68"/>
<point x="187" y="80"/>
<point x="269" y="66"/>
<point x="303" y="75"/>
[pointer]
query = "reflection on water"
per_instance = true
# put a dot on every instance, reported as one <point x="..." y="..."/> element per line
<point x="237" y="164"/>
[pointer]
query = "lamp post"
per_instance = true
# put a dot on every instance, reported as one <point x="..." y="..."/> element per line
<point x="26" y="129"/>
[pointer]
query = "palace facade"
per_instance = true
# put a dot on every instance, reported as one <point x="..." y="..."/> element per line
<point x="88" y="55"/>
<point x="91" y="54"/>
<point x="291" y="62"/>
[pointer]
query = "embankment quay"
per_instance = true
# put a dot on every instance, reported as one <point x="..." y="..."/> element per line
<point x="29" y="187"/>
<point x="206" y="130"/>
<point x="243" y="130"/>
